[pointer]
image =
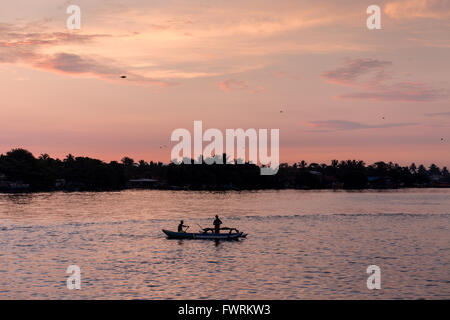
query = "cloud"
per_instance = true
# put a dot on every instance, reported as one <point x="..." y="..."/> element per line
<point x="412" y="9"/>
<point x="75" y="64"/>
<point x="438" y="114"/>
<point x="373" y="79"/>
<point x="17" y="46"/>
<point x="50" y="39"/>
<point x="285" y="75"/>
<point x="339" y="125"/>
<point x="172" y="38"/>
<point x="401" y="91"/>
<point x="229" y="85"/>
<point x="354" y="69"/>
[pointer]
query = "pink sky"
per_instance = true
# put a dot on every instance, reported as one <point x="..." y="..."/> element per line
<point x="346" y="92"/>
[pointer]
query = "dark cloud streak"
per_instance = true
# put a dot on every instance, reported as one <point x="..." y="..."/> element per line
<point x="377" y="86"/>
<point x="340" y="125"/>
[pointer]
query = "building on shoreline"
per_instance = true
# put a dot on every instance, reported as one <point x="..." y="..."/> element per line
<point x="142" y="183"/>
<point x="12" y="186"/>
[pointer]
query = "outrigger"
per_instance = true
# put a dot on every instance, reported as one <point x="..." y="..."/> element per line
<point x="207" y="233"/>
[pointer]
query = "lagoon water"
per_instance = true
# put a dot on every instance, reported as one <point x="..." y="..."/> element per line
<point x="301" y="245"/>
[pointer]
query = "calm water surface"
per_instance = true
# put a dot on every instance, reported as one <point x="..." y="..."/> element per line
<point x="301" y="245"/>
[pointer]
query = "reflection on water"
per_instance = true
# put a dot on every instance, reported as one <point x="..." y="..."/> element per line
<point x="19" y="198"/>
<point x="301" y="244"/>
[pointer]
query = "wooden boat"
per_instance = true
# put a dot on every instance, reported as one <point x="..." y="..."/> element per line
<point x="206" y="235"/>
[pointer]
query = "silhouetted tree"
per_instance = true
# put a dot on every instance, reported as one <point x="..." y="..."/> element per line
<point x="128" y="162"/>
<point x="83" y="173"/>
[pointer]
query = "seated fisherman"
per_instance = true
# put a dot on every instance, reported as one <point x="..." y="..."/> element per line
<point x="181" y="226"/>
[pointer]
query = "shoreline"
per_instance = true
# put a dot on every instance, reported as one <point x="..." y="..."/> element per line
<point x="222" y="190"/>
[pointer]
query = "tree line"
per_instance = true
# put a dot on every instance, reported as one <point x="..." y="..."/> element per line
<point x="45" y="173"/>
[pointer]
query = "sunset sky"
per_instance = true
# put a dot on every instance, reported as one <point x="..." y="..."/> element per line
<point x="346" y="92"/>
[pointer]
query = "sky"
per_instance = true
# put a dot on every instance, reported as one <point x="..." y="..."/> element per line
<point x="345" y="92"/>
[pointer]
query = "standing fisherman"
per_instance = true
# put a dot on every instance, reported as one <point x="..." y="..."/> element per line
<point x="217" y="222"/>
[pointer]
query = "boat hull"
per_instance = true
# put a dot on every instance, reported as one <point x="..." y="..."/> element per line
<point x="203" y="236"/>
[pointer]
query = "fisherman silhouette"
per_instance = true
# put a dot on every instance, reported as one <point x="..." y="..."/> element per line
<point x="181" y="226"/>
<point x="217" y="222"/>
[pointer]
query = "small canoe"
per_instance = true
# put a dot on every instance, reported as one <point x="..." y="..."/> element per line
<point x="205" y="235"/>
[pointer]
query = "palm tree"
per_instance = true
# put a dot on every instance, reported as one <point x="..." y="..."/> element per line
<point x="44" y="156"/>
<point x="69" y="158"/>
<point x="434" y="169"/>
<point x="142" y="164"/>
<point x="334" y="163"/>
<point x="128" y="162"/>
<point x="422" y="170"/>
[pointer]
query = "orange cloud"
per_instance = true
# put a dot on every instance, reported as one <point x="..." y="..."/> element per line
<point x="238" y="85"/>
<point x="411" y="9"/>
<point x="21" y="47"/>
